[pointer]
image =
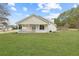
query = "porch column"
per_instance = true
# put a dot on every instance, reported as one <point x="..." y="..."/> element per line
<point x="37" y="27"/>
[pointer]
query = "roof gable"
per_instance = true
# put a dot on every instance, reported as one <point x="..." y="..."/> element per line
<point x="37" y="17"/>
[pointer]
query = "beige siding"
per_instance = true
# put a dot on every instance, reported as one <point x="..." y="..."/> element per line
<point x="45" y="29"/>
<point x="26" y="27"/>
<point x="33" y="20"/>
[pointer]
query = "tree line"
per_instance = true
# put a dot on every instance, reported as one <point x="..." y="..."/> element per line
<point x="69" y="18"/>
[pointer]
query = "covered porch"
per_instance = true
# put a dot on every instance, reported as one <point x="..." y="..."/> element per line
<point x="33" y="27"/>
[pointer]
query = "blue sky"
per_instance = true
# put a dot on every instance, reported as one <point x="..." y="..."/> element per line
<point x="46" y="10"/>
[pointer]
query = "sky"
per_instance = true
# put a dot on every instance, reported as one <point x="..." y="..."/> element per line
<point x="47" y="10"/>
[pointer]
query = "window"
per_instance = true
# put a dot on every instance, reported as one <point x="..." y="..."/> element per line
<point x="33" y="27"/>
<point x="20" y="26"/>
<point x="41" y="27"/>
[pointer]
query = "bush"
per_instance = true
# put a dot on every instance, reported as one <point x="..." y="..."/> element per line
<point x="50" y="31"/>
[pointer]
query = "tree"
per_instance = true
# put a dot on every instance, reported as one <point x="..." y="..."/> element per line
<point x="57" y="21"/>
<point x="4" y="11"/>
<point x="69" y="18"/>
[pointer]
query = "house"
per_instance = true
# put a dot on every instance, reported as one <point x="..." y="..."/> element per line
<point x="37" y="24"/>
<point x="3" y="24"/>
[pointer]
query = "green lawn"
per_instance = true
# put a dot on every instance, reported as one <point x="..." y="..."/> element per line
<point x="40" y="44"/>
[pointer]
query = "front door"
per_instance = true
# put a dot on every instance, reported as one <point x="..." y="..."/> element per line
<point x="33" y="27"/>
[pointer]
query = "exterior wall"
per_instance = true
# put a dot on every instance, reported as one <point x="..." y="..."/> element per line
<point x="45" y="29"/>
<point x="28" y="28"/>
<point x="52" y="27"/>
<point x="33" y="20"/>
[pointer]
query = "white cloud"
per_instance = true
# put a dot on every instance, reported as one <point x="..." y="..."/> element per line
<point x="40" y="5"/>
<point x="11" y="4"/>
<point x="46" y="7"/>
<point x="24" y="8"/>
<point x="53" y="6"/>
<point x="75" y="5"/>
<point x="13" y="8"/>
<point x="53" y="15"/>
<point x="46" y="11"/>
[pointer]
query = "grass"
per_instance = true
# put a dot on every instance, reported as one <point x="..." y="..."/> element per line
<point x="40" y="44"/>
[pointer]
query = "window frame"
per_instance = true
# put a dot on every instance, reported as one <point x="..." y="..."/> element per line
<point x="42" y="27"/>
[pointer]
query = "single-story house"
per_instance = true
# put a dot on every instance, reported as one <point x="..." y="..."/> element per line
<point x="37" y="24"/>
